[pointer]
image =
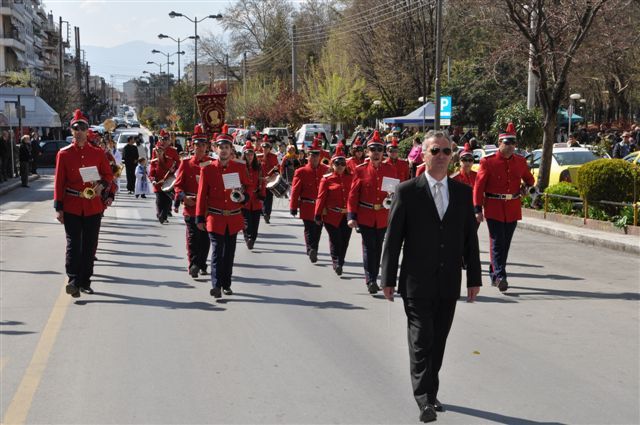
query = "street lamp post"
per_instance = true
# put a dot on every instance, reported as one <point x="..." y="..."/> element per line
<point x="377" y="104"/>
<point x="178" y="40"/>
<point x="168" y="55"/>
<point x="195" y="21"/>
<point x="423" y="99"/>
<point x="573" y="97"/>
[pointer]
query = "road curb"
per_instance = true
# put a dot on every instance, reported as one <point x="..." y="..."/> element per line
<point x="630" y="247"/>
<point x="13" y="185"/>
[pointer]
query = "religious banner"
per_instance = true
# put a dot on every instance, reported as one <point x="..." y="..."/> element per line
<point x="212" y="109"/>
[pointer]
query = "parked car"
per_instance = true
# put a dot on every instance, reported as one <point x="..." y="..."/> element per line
<point x="48" y="151"/>
<point x="304" y="135"/>
<point x="122" y="136"/>
<point x="281" y="133"/>
<point x="134" y="123"/>
<point x="565" y="163"/>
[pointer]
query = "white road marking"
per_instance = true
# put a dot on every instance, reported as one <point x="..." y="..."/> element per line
<point x="12" y="214"/>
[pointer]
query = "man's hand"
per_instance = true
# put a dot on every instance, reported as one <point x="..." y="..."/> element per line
<point x="479" y="217"/>
<point x="109" y="202"/>
<point x="60" y="216"/>
<point x="189" y="201"/>
<point x="352" y="223"/>
<point x="200" y="226"/>
<point x="388" y="292"/>
<point x="98" y="189"/>
<point x="294" y="212"/>
<point x="472" y="293"/>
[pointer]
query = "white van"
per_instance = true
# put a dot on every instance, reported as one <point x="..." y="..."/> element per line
<point x="304" y="136"/>
<point x="281" y="133"/>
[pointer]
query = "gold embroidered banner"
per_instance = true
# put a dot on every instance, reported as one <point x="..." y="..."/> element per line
<point x="211" y="108"/>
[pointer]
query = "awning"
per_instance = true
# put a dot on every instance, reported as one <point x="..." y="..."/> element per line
<point x="424" y="114"/>
<point x="40" y="115"/>
<point x="18" y="54"/>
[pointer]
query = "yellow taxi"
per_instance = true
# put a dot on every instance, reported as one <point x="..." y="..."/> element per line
<point x="565" y="163"/>
<point x="633" y="157"/>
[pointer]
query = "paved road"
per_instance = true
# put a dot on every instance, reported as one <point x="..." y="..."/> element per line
<point x="297" y="344"/>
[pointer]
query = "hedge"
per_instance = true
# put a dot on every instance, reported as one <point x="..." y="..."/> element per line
<point x="564" y="206"/>
<point x="609" y="180"/>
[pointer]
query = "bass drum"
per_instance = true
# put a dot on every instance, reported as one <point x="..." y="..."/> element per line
<point x="167" y="186"/>
<point x="278" y="186"/>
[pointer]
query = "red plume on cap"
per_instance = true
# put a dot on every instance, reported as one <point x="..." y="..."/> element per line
<point x="198" y="132"/>
<point x="78" y="116"/>
<point x="248" y="147"/>
<point x="339" y="153"/>
<point x="225" y="129"/>
<point x="393" y="144"/>
<point x="375" y="140"/>
<point x="163" y="133"/>
<point x="315" y="146"/>
<point x="357" y="142"/>
<point x="466" y="151"/>
<point x="510" y="132"/>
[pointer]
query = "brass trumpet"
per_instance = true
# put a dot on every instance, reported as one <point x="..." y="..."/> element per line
<point x="386" y="203"/>
<point x="237" y="195"/>
<point x="89" y="192"/>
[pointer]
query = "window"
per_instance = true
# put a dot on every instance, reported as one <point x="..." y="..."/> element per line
<point x="575" y="157"/>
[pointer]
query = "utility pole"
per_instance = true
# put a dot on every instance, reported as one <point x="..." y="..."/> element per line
<point x="226" y="72"/>
<point x="293" y="58"/>
<point x="436" y="121"/>
<point x="532" y="83"/>
<point x="60" y="55"/>
<point x="244" y="78"/>
<point x="77" y="60"/>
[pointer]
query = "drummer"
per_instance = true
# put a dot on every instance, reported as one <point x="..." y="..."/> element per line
<point x="252" y="210"/>
<point x="269" y="163"/>
<point x="331" y="208"/>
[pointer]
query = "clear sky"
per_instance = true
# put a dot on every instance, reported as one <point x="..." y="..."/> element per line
<point x="109" y="23"/>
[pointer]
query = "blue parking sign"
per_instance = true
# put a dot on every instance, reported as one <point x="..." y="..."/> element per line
<point x="445" y="107"/>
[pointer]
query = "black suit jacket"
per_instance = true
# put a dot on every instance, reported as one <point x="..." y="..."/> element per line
<point x="433" y="248"/>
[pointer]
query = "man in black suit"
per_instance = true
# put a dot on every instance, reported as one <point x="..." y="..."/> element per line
<point x="130" y="158"/>
<point x="432" y="215"/>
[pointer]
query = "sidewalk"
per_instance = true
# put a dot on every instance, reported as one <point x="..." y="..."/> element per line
<point x="14" y="183"/>
<point x="619" y="242"/>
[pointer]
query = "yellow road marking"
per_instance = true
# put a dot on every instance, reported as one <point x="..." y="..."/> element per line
<point x="3" y="362"/>
<point x="19" y="408"/>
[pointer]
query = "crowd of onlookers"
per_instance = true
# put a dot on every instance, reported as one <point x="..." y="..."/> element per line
<point x="24" y="157"/>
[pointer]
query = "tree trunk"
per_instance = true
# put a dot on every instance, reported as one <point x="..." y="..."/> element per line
<point x="548" y="139"/>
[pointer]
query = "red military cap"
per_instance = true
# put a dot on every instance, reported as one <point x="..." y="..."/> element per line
<point x="357" y="142"/>
<point x="225" y="129"/>
<point x="393" y="144"/>
<point x="248" y="146"/>
<point x="339" y="153"/>
<point x="315" y="146"/>
<point x="92" y="136"/>
<point x="266" y="141"/>
<point x="223" y="138"/>
<point x="467" y="151"/>
<point x="163" y="133"/>
<point x="78" y="116"/>
<point x="375" y="139"/>
<point x="198" y="133"/>
<point x="510" y="133"/>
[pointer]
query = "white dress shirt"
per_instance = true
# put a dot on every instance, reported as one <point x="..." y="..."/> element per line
<point x="444" y="190"/>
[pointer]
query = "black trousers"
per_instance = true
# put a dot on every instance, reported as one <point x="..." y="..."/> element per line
<point x="198" y="243"/>
<point x="251" y="224"/>
<point x="500" y="235"/>
<point x="372" y="241"/>
<point x="82" y="242"/>
<point x="312" y="233"/>
<point x="24" y="172"/>
<point x="267" y="203"/>
<point x="131" y="176"/>
<point x="338" y="241"/>
<point x="163" y="205"/>
<point x="428" y="324"/>
<point x="223" y="251"/>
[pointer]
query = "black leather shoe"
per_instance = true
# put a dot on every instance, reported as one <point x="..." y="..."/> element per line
<point x="227" y="291"/>
<point x="72" y="290"/>
<point x="250" y="243"/>
<point x="438" y="406"/>
<point x="203" y="271"/>
<point x="194" y="271"/>
<point x="338" y="270"/>
<point x="373" y="288"/>
<point x="215" y="292"/>
<point x="87" y="290"/>
<point x="267" y="219"/>
<point x="503" y="285"/>
<point x="313" y="255"/>
<point x="428" y="414"/>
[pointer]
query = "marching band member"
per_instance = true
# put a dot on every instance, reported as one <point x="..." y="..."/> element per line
<point x="221" y="215"/>
<point x="78" y="204"/>
<point x="466" y="175"/>
<point x="357" y="155"/>
<point x="331" y="208"/>
<point x="304" y="192"/>
<point x="252" y="210"/>
<point x="164" y="163"/>
<point x="186" y="188"/>
<point x="269" y="163"/>
<point x="401" y="165"/>
<point x="497" y="191"/>
<point x="366" y="210"/>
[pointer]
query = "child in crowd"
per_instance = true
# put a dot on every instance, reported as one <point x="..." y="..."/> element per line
<point x="142" y="179"/>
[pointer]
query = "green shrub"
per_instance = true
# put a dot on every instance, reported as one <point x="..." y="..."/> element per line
<point x="564" y="206"/>
<point x="405" y="145"/>
<point x="609" y="180"/>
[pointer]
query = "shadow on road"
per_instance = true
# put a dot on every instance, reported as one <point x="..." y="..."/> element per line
<point x="44" y="272"/>
<point x="275" y="236"/>
<point x="274" y="282"/>
<point x="260" y="242"/>
<point x="265" y="266"/>
<point x="494" y="417"/>
<point x="12" y="332"/>
<point x="140" y="282"/>
<point x="149" y="302"/>
<point x="106" y="240"/>
<point x="138" y="254"/>
<point x="289" y="301"/>
<point x="563" y="294"/>
<point x="544" y="276"/>
<point x="140" y="265"/>
<point x="146" y="235"/>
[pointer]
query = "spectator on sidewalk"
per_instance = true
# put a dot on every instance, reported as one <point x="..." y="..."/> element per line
<point x="415" y="156"/>
<point x="35" y="151"/>
<point x="623" y="148"/>
<point x="25" y="158"/>
<point x="8" y="167"/>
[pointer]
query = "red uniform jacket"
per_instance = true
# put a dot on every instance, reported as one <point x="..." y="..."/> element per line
<point x="268" y="162"/>
<point x="353" y="162"/>
<point x="333" y="195"/>
<point x="187" y="178"/>
<point x="304" y="189"/>
<point x="501" y="176"/>
<point x="325" y="157"/>
<point x="402" y="168"/>
<point x="256" y="188"/>
<point x="365" y="197"/>
<point x="420" y="169"/>
<point x="468" y="179"/>
<point x="158" y="170"/>
<point x="68" y="163"/>
<point x="113" y="187"/>
<point x="212" y="194"/>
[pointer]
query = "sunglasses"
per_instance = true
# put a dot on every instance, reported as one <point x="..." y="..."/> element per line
<point x="466" y="159"/>
<point x="376" y="149"/>
<point x="509" y="142"/>
<point x="340" y="163"/>
<point x="436" y="151"/>
<point x="80" y="127"/>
